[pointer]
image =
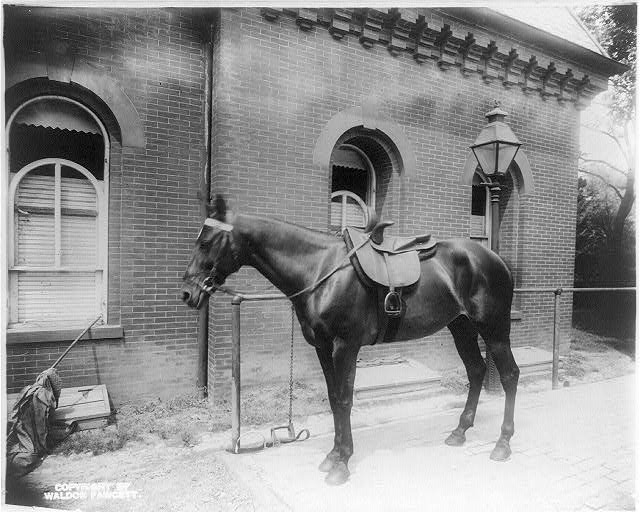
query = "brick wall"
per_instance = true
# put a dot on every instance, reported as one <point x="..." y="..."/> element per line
<point x="276" y="88"/>
<point x="156" y="57"/>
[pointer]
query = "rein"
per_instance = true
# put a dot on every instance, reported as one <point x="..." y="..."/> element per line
<point x="208" y="286"/>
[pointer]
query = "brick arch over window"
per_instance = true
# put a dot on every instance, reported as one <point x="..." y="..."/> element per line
<point x="367" y="117"/>
<point x="24" y="92"/>
<point x="386" y="162"/>
<point x="77" y="71"/>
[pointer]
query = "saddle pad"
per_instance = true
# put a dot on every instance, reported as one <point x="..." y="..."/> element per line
<point x="402" y="244"/>
<point x="400" y="270"/>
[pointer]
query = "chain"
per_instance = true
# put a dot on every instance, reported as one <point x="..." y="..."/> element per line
<point x="291" y="370"/>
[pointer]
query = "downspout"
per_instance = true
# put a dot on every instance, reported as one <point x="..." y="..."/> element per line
<point x="205" y="197"/>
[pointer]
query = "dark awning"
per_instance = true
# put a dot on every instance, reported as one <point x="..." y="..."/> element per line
<point x="345" y="157"/>
<point x="52" y="113"/>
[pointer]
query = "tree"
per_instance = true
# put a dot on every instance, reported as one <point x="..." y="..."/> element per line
<point x="597" y="207"/>
<point x="615" y="27"/>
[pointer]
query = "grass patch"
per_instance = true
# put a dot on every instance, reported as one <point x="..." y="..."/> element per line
<point x="592" y="357"/>
<point x="573" y="365"/>
<point x="95" y="441"/>
<point x="593" y="343"/>
<point x="183" y="419"/>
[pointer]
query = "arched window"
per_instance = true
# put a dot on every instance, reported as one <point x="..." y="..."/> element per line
<point x="58" y="203"/>
<point x="480" y="222"/>
<point x="353" y="187"/>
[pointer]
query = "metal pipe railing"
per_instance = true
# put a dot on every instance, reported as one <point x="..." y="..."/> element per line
<point x="235" y="358"/>
<point x="235" y="371"/>
<point x="235" y="338"/>
<point x="555" y="362"/>
<point x="557" y="292"/>
<point x="576" y="289"/>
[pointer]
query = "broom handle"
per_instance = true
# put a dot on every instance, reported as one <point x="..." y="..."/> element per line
<point x="76" y="340"/>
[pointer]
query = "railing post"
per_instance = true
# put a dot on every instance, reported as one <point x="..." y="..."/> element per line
<point x="556" y="338"/>
<point x="235" y="373"/>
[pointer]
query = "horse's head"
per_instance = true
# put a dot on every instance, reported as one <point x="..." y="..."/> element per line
<point x="214" y="257"/>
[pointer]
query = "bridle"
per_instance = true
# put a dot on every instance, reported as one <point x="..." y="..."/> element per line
<point x="209" y="285"/>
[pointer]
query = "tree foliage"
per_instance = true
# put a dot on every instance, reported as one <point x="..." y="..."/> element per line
<point x="615" y="28"/>
<point x="605" y="241"/>
<point x="597" y="208"/>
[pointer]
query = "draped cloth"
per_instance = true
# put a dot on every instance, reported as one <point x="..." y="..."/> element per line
<point x="29" y="431"/>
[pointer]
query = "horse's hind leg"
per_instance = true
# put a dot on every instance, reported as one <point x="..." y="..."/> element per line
<point x="500" y="348"/>
<point x="465" y="336"/>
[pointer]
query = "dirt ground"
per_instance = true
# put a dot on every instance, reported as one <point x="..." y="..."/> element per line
<point x="157" y="477"/>
<point x="179" y="466"/>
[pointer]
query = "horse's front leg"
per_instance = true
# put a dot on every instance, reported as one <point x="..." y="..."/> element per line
<point x="343" y="360"/>
<point x="326" y="362"/>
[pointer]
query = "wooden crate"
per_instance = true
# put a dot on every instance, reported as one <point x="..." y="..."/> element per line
<point x="88" y="406"/>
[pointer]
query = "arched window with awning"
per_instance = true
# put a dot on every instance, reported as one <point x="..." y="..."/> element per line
<point x="58" y="203"/>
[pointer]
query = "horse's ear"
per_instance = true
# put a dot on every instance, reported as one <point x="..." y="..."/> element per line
<point x="219" y="208"/>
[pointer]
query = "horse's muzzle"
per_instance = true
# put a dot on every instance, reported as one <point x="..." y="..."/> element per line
<point x="193" y="299"/>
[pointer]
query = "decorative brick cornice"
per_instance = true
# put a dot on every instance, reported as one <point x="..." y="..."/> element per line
<point x="466" y="61"/>
<point x="405" y="31"/>
<point x="340" y="23"/>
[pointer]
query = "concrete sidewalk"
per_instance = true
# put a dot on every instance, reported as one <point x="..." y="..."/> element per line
<point x="574" y="449"/>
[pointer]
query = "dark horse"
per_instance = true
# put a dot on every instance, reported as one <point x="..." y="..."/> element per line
<point x="463" y="286"/>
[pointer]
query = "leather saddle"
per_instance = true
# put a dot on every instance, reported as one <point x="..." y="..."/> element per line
<point x="390" y="262"/>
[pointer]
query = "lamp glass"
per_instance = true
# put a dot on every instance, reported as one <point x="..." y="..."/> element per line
<point x="486" y="157"/>
<point x="506" y="153"/>
<point x="495" y="157"/>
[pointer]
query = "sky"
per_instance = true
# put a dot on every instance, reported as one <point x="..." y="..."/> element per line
<point x="593" y="144"/>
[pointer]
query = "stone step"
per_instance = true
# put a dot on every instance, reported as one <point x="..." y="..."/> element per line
<point x="532" y="360"/>
<point x="401" y="378"/>
<point x="407" y="377"/>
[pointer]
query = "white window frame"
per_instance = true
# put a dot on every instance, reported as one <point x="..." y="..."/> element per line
<point x="345" y="194"/>
<point x="102" y="197"/>
<point x="486" y="238"/>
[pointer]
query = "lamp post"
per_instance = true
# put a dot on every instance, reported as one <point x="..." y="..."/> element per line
<point x="494" y="149"/>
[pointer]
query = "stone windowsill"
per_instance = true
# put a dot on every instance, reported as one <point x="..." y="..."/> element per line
<point x="26" y="336"/>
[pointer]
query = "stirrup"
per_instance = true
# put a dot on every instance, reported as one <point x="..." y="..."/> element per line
<point x="292" y="437"/>
<point x="393" y="304"/>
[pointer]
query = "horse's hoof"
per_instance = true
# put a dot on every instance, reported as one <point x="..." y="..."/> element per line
<point x="455" y="439"/>
<point x="328" y="463"/>
<point x="501" y="451"/>
<point x="338" y="474"/>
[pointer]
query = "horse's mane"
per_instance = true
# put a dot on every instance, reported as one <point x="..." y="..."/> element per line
<point x="311" y="235"/>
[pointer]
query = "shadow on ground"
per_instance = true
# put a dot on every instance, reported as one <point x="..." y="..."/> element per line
<point x="23" y="492"/>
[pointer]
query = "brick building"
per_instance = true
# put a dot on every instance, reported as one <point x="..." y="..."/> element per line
<point x="118" y="119"/>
